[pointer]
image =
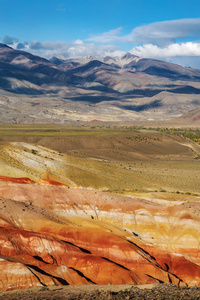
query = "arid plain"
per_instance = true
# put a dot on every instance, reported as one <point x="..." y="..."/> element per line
<point x="117" y="159"/>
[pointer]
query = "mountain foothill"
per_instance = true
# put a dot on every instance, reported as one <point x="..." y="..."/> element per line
<point x="122" y="88"/>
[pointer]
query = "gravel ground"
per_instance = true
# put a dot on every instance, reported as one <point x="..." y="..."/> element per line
<point x="159" y="292"/>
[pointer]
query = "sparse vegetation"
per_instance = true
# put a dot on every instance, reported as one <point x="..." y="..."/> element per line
<point x="121" y="159"/>
<point x="33" y="151"/>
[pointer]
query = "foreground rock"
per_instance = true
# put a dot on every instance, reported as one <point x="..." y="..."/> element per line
<point x="160" y="291"/>
<point x="52" y="235"/>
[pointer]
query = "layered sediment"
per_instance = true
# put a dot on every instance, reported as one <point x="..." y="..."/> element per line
<point x="55" y="235"/>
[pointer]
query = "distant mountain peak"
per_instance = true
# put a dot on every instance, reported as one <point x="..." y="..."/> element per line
<point x="128" y="55"/>
<point x="125" y="86"/>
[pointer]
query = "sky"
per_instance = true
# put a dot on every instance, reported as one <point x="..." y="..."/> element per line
<point x="167" y="30"/>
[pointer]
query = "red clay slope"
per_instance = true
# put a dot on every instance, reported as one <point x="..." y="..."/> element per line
<point x="25" y="180"/>
<point x="57" y="236"/>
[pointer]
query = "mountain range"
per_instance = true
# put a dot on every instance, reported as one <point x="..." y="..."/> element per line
<point x="123" y="88"/>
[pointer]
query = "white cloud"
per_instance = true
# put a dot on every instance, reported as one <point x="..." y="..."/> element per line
<point x="158" y="33"/>
<point x="160" y="40"/>
<point x="186" y="54"/>
<point x="70" y="50"/>
<point x="78" y="42"/>
<point x="175" y="49"/>
<point x="166" y="32"/>
<point x="107" y="37"/>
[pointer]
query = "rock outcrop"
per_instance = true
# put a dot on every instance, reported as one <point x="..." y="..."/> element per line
<point x="53" y="235"/>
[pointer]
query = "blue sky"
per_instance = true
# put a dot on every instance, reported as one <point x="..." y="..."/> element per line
<point x="162" y="29"/>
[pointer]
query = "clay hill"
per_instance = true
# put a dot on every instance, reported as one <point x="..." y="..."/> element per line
<point x="36" y="90"/>
<point x="97" y="207"/>
<point x="54" y="235"/>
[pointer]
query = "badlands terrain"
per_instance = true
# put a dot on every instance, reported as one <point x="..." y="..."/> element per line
<point x="98" y="205"/>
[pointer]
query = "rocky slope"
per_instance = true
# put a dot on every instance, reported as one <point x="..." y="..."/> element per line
<point x="53" y="235"/>
<point x="102" y="159"/>
<point x="60" y="91"/>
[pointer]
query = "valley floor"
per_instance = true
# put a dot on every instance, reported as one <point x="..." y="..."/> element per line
<point x="121" y="160"/>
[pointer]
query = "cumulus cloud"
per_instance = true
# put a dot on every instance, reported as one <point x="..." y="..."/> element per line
<point x="78" y="48"/>
<point x="71" y="50"/>
<point x="158" y="33"/>
<point x="186" y="54"/>
<point x="79" y="42"/>
<point x="175" y="49"/>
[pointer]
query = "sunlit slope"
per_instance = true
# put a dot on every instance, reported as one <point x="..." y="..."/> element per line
<point x="37" y="162"/>
<point x="115" y="160"/>
<point x="58" y="236"/>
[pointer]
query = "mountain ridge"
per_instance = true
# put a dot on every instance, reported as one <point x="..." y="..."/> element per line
<point x="94" y="88"/>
